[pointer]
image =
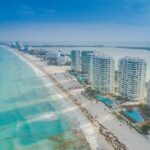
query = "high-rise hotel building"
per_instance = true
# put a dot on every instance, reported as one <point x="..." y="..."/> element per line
<point x="75" y="61"/>
<point x="85" y="60"/>
<point x="132" y="75"/>
<point x="90" y="68"/>
<point x="103" y="74"/>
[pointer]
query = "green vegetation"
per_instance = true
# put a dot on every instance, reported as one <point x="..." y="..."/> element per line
<point x="90" y="92"/>
<point x="142" y="106"/>
<point x="116" y="97"/>
<point x="67" y="63"/>
<point x="72" y="72"/>
<point x="115" y="89"/>
<point x="145" y="129"/>
<point x="86" y="82"/>
<point x="145" y="111"/>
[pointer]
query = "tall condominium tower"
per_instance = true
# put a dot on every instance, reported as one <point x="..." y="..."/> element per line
<point x="90" y="67"/>
<point x="84" y="60"/>
<point x="132" y="74"/>
<point x="75" y="61"/>
<point x="103" y="74"/>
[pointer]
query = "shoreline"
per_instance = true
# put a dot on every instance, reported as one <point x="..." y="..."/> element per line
<point x="87" y="130"/>
<point x="104" y="118"/>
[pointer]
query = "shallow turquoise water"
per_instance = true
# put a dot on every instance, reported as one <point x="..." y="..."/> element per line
<point x="22" y="98"/>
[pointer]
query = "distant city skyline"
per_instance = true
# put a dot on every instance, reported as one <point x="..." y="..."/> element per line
<point x="75" y="20"/>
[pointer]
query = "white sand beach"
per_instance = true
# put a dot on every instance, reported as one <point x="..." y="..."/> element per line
<point x="126" y="135"/>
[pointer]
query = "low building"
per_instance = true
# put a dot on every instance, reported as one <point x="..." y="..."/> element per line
<point x="56" y="58"/>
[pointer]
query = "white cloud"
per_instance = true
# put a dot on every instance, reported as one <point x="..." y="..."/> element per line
<point x="25" y="10"/>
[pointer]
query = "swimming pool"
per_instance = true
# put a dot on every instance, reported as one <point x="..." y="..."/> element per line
<point x="133" y="115"/>
<point x="81" y="78"/>
<point x="106" y="101"/>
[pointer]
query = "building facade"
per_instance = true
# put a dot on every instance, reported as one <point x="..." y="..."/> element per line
<point x="85" y="61"/>
<point x="103" y="74"/>
<point x="55" y="58"/>
<point x="75" y="61"/>
<point x="131" y="78"/>
<point x="90" y="68"/>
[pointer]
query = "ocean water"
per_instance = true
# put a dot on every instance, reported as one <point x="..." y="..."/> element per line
<point x="23" y="99"/>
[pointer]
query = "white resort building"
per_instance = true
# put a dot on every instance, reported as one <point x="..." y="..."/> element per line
<point x="103" y="74"/>
<point x="84" y="61"/>
<point x="56" y="58"/>
<point x="132" y="75"/>
<point x="75" y="61"/>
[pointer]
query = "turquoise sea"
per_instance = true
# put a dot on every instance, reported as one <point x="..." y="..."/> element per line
<point x="23" y="98"/>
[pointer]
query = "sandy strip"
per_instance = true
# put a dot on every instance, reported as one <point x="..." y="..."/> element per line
<point x="95" y="141"/>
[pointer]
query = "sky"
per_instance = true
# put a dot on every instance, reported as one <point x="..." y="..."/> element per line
<point x="75" y="20"/>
